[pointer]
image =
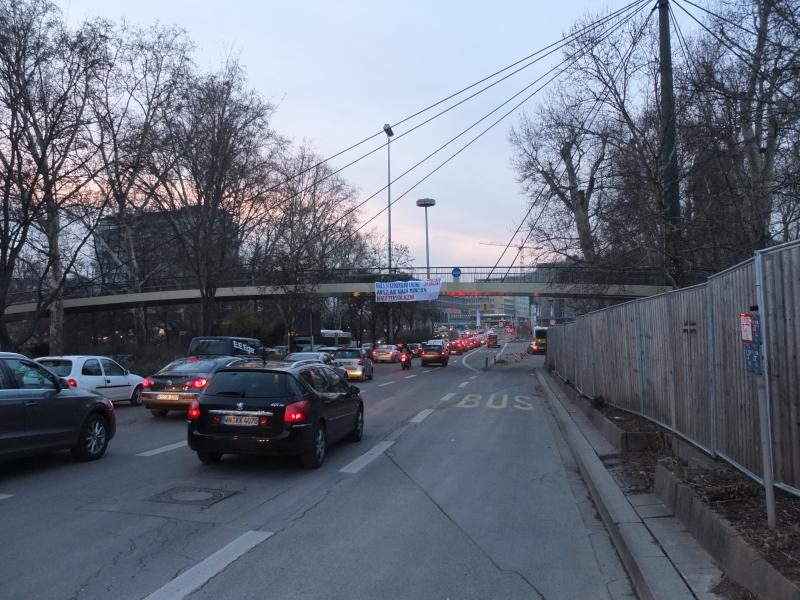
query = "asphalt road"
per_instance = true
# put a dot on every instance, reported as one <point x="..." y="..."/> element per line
<point x="461" y="488"/>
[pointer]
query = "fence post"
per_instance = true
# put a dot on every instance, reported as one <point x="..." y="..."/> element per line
<point x="764" y="404"/>
<point x="639" y="356"/>
<point x="711" y="357"/>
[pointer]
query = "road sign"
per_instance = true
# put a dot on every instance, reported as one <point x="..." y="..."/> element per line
<point x="456" y="273"/>
<point x="746" y="327"/>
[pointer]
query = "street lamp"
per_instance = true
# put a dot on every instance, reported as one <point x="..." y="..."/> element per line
<point x="426" y="203"/>
<point x="387" y="129"/>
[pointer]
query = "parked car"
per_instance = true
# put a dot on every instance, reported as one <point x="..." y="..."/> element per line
<point x="181" y="381"/>
<point x="225" y="345"/>
<point x="356" y="363"/>
<point x="98" y="374"/>
<point x="435" y="351"/>
<point x="386" y="353"/>
<point x="288" y="410"/>
<point x="41" y="412"/>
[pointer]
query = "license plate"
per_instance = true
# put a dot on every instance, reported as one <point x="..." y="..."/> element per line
<point x="239" y="420"/>
<point x="173" y="397"/>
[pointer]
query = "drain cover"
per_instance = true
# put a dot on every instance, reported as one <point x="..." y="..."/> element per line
<point x="192" y="496"/>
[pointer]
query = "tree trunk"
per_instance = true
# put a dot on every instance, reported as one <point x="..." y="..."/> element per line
<point x="55" y="287"/>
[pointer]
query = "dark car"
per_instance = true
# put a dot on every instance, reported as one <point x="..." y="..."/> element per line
<point x="40" y="412"/>
<point x="275" y="409"/>
<point x="435" y="351"/>
<point x="181" y="381"/>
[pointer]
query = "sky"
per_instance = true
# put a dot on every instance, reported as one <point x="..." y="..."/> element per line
<point x="338" y="70"/>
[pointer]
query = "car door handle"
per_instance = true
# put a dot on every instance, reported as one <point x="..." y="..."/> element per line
<point x="31" y="403"/>
<point x="108" y="381"/>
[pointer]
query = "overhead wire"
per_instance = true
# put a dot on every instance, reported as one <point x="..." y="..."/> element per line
<point x="571" y="58"/>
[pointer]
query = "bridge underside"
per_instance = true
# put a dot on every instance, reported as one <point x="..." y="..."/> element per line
<point x="328" y="290"/>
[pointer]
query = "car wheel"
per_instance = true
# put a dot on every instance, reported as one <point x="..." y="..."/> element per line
<point x="314" y="456"/>
<point x="208" y="458"/>
<point x="358" y="429"/>
<point x="136" y="397"/>
<point x="93" y="439"/>
<point x="159" y="412"/>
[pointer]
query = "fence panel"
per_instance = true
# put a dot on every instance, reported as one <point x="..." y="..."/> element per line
<point x="736" y="395"/>
<point x="655" y="334"/>
<point x="782" y="321"/>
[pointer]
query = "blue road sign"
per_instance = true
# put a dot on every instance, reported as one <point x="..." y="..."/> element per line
<point x="456" y="273"/>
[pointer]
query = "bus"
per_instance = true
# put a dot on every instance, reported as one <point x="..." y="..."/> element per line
<point x="497" y="321"/>
<point x="539" y="343"/>
<point x="335" y="337"/>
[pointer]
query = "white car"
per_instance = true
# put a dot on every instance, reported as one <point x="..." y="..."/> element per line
<point x="97" y="373"/>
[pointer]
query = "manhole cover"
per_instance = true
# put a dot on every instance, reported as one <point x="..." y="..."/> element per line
<point x="192" y="496"/>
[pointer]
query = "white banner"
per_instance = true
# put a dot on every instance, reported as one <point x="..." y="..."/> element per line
<point x="407" y="291"/>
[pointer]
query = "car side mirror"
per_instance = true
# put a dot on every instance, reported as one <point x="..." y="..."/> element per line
<point x="126" y="372"/>
<point x="355" y="389"/>
<point x="63" y="384"/>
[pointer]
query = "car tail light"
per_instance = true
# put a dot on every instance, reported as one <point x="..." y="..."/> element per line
<point x="194" y="410"/>
<point x="199" y="383"/>
<point x="72" y="383"/>
<point x="360" y="361"/>
<point x="403" y="357"/>
<point x="444" y="353"/>
<point x="147" y="382"/>
<point x="296" y="412"/>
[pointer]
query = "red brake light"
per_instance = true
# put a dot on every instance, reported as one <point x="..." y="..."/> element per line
<point x="199" y="383"/>
<point x="444" y="353"/>
<point x="72" y="383"/>
<point x="147" y="382"/>
<point x="296" y="412"/>
<point x="194" y="410"/>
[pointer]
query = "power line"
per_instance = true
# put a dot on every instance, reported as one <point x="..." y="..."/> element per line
<point x="573" y="59"/>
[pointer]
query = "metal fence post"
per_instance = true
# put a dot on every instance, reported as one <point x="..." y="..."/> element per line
<point x="639" y="356"/>
<point x="711" y="356"/>
<point x="764" y="404"/>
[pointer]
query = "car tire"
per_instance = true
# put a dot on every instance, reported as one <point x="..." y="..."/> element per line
<point x="314" y="456"/>
<point x="358" y="428"/>
<point x="159" y="412"/>
<point x="93" y="438"/>
<point x="136" y="397"/>
<point x="209" y="458"/>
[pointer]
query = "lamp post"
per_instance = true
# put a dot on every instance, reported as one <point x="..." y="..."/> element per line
<point x="387" y="129"/>
<point x="426" y="203"/>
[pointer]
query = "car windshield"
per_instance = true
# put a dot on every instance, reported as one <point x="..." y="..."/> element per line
<point x="60" y="367"/>
<point x="250" y="384"/>
<point x="190" y="365"/>
<point x="295" y="356"/>
<point x="347" y="354"/>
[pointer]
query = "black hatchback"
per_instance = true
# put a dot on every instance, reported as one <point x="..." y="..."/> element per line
<point x="39" y="412"/>
<point x="275" y="409"/>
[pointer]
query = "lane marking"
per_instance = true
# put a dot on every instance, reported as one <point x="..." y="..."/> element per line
<point x="464" y="384"/>
<point x="428" y="371"/>
<point x="366" y="458"/>
<point x="473" y="376"/>
<point x="387" y="383"/>
<point x="420" y="417"/>
<point x="410" y="376"/>
<point x="163" y="449"/>
<point x="196" y="577"/>
<point x="447" y="397"/>
<point x="6" y="496"/>
<point x="469" y="366"/>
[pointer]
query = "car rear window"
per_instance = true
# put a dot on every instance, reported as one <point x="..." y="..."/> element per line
<point x="62" y="368"/>
<point x="250" y="384"/>
<point x="302" y="356"/>
<point x="347" y="354"/>
<point x="190" y="365"/>
<point x="209" y="347"/>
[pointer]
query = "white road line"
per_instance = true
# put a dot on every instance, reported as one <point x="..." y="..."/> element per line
<point x="410" y="376"/>
<point x="428" y="371"/>
<point x="196" y="577"/>
<point x="446" y="397"/>
<point x="366" y="458"/>
<point x="387" y="383"/>
<point x="464" y="384"/>
<point x="163" y="449"/>
<point x="472" y="376"/>
<point x="470" y="367"/>
<point x="6" y="496"/>
<point x="420" y="417"/>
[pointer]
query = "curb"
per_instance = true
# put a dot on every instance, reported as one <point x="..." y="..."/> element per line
<point x="653" y="574"/>
<point x="737" y="558"/>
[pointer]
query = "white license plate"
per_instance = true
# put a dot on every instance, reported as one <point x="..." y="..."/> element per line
<point x="173" y="397"/>
<point x="239" y="420"/>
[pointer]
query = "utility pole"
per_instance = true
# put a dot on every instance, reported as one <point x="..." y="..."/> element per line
<point x="669" y="154"/>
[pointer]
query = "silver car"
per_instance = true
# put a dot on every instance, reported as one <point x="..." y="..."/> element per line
<point x="356" y="363"/>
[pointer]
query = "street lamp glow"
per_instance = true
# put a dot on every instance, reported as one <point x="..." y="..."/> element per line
<point x="426" y="203"/>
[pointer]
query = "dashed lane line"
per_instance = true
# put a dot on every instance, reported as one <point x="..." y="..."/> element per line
<point x="6" y="496"/>
<point x="387" y="383"/>
<point x="163" y="449"/>
<point x="410" y="376"/>
<point x="473" y="376"/>
<point x="447" y="397"/>
<point x="366" y="458"/>
<point x="464" y="384"/>
<point x="428" y="371"/>
<point x="196" y="577"/>
<point x="420" y="417"/>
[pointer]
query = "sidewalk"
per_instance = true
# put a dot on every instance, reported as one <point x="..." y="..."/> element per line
<point x="663" y="560"/>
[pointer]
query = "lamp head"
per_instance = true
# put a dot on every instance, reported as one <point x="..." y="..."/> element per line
<point x="426" y="202"/>
<point x="387" y="129"/>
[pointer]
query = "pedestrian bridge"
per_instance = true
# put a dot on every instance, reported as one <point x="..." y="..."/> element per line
<point x="474" y="281"/>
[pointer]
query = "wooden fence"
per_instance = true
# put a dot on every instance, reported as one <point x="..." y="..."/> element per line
<point x="678" y="360"/>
